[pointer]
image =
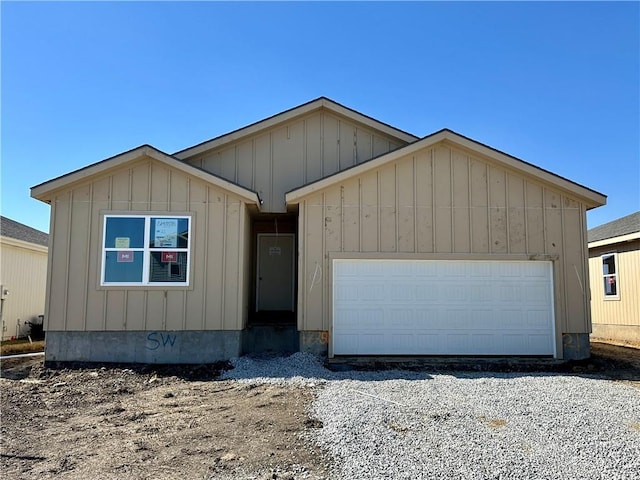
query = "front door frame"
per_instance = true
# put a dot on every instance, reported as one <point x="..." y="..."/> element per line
<point x="293" y="267"/>
<point x="274" y="224"/>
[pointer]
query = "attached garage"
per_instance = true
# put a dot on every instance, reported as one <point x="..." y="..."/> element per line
<point x="444" y="247"/>
<point x="442" y="307"/>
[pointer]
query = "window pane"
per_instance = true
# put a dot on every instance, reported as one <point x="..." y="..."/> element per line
<point x="608" y="264"/>
<point x="610" y="286"/>
<point x="169" y="233"/>
<point x="124" y="232"/>
<point x="123" y="266"/>
<point x="168" y="266"/>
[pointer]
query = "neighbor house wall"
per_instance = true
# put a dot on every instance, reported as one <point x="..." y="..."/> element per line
<point x="23" y="272"/>
<point x="216" y="296"/>
<point x="305" y="149"/>
<point x="441" y="201"/>
<point x="616" y="318"/>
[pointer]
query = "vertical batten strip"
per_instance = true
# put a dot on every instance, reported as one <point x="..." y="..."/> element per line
<point x="379" y="243"/>
<point x="452" y="215"/>
<point x="487" y="180"/>
<point x="125" y="309"/>
<point x="586" y="296"/>
<point x="433" y="199"/>
<point x="85" y="293"/>
<point x="235" y="164"/>
<point x="322" y="172"/>
<point x="67" y="260"/>
<point x="206" y="258"/>
<point x="305" y="152"/>
<point x="224" y="261"/>
<point x="145" y="309"/>
<point x="526" y="215"/>
<point x="360" y="214"/>
<point x="51" y="253"/>
<point x="130" y="193"/>
<point x="342" y="218"/>
<point x="544" y="219"/>
<point x="397" y="205"/>
<point x="506" y="206"/>
<point x="415" y="205"/>
<point x="304" y="294"/>
<point x="240" y="270"/>
<point x="253" y="164"/>
<point x="169" y="205"/>
<point x="469" y="204"/>
<point x="325" y="261"/>
<point x="564" y="265"/>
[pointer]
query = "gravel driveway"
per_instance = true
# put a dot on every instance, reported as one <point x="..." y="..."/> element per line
<point x="401" y="424"/>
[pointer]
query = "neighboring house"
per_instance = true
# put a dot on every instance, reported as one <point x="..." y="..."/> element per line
<point x="23" y="274"/>
<point x="356" y="236"/>
<point x="614" y="266"/>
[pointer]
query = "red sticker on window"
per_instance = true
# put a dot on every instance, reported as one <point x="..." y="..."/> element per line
<point x="169" y="257"/>
<point x="125" y="256"/>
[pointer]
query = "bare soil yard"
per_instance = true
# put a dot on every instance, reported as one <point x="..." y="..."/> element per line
<point x="150" y="423"/>
<point x="181" y="422"/>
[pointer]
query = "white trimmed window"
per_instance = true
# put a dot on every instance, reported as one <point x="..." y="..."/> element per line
<point x="146" y="250"/>
<point x="610" y="275"/>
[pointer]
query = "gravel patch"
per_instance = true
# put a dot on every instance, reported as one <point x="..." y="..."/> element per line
<point x="412" y="425"/>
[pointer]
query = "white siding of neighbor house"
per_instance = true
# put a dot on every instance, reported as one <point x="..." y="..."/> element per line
<point x="23" y="271"/>
<point x="443" y="202"/>
<point x="275" y="161"/>
<point x="216" y="298"/>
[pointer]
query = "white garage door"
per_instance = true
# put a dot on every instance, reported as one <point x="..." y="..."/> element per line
<point x="438" y="307"/>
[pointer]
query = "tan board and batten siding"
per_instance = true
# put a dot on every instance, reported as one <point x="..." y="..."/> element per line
<point x="217" y="296"/>
<point x="616" y="318"/>
<point x="280" y="159"/>
<point x="442" y="202"/>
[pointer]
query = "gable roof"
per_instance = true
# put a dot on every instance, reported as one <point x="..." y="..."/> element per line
<point x="591" y="198"/>
<point x="19" y="231"/>
<point x="621" y="229"/>
<point x="44" y="190"/>
<point x="286" y="116"/>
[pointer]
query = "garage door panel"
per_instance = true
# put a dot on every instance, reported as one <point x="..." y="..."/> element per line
<point x="442" y="307"/>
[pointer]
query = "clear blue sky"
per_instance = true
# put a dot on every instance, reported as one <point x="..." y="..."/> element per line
<point x="555" y="84"/>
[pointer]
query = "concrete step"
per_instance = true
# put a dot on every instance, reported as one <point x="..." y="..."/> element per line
<point x="270" y="339"/>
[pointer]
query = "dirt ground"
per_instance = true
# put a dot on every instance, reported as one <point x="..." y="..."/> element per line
<point x="149" y="423"/>
<point x="145" y="422"/>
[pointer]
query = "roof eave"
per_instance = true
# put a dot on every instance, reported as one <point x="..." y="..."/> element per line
<point x="591" y="198"/>
<point x="630" y="237"/>
<point x="289" y="115"/>
<point x="44" y="191"/>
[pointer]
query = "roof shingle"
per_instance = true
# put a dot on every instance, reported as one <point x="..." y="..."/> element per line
<point x="12" y="229"/>
<point x="615" y="228"/>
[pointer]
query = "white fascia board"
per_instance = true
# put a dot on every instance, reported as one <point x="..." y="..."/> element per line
<point x="14" y="242"/>
<point x="613" y="240"/>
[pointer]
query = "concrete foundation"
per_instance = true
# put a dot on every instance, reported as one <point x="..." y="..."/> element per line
<point x="196" y="347"/>
<point x="618" y="333"/>
<point x="180" y="347"/>
<point x="576" y="346"/>
<point x="315" y="342"/>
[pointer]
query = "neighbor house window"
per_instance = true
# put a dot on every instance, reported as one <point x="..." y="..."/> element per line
<point x="146" y="250"/>
<point x="610" y="275"/>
